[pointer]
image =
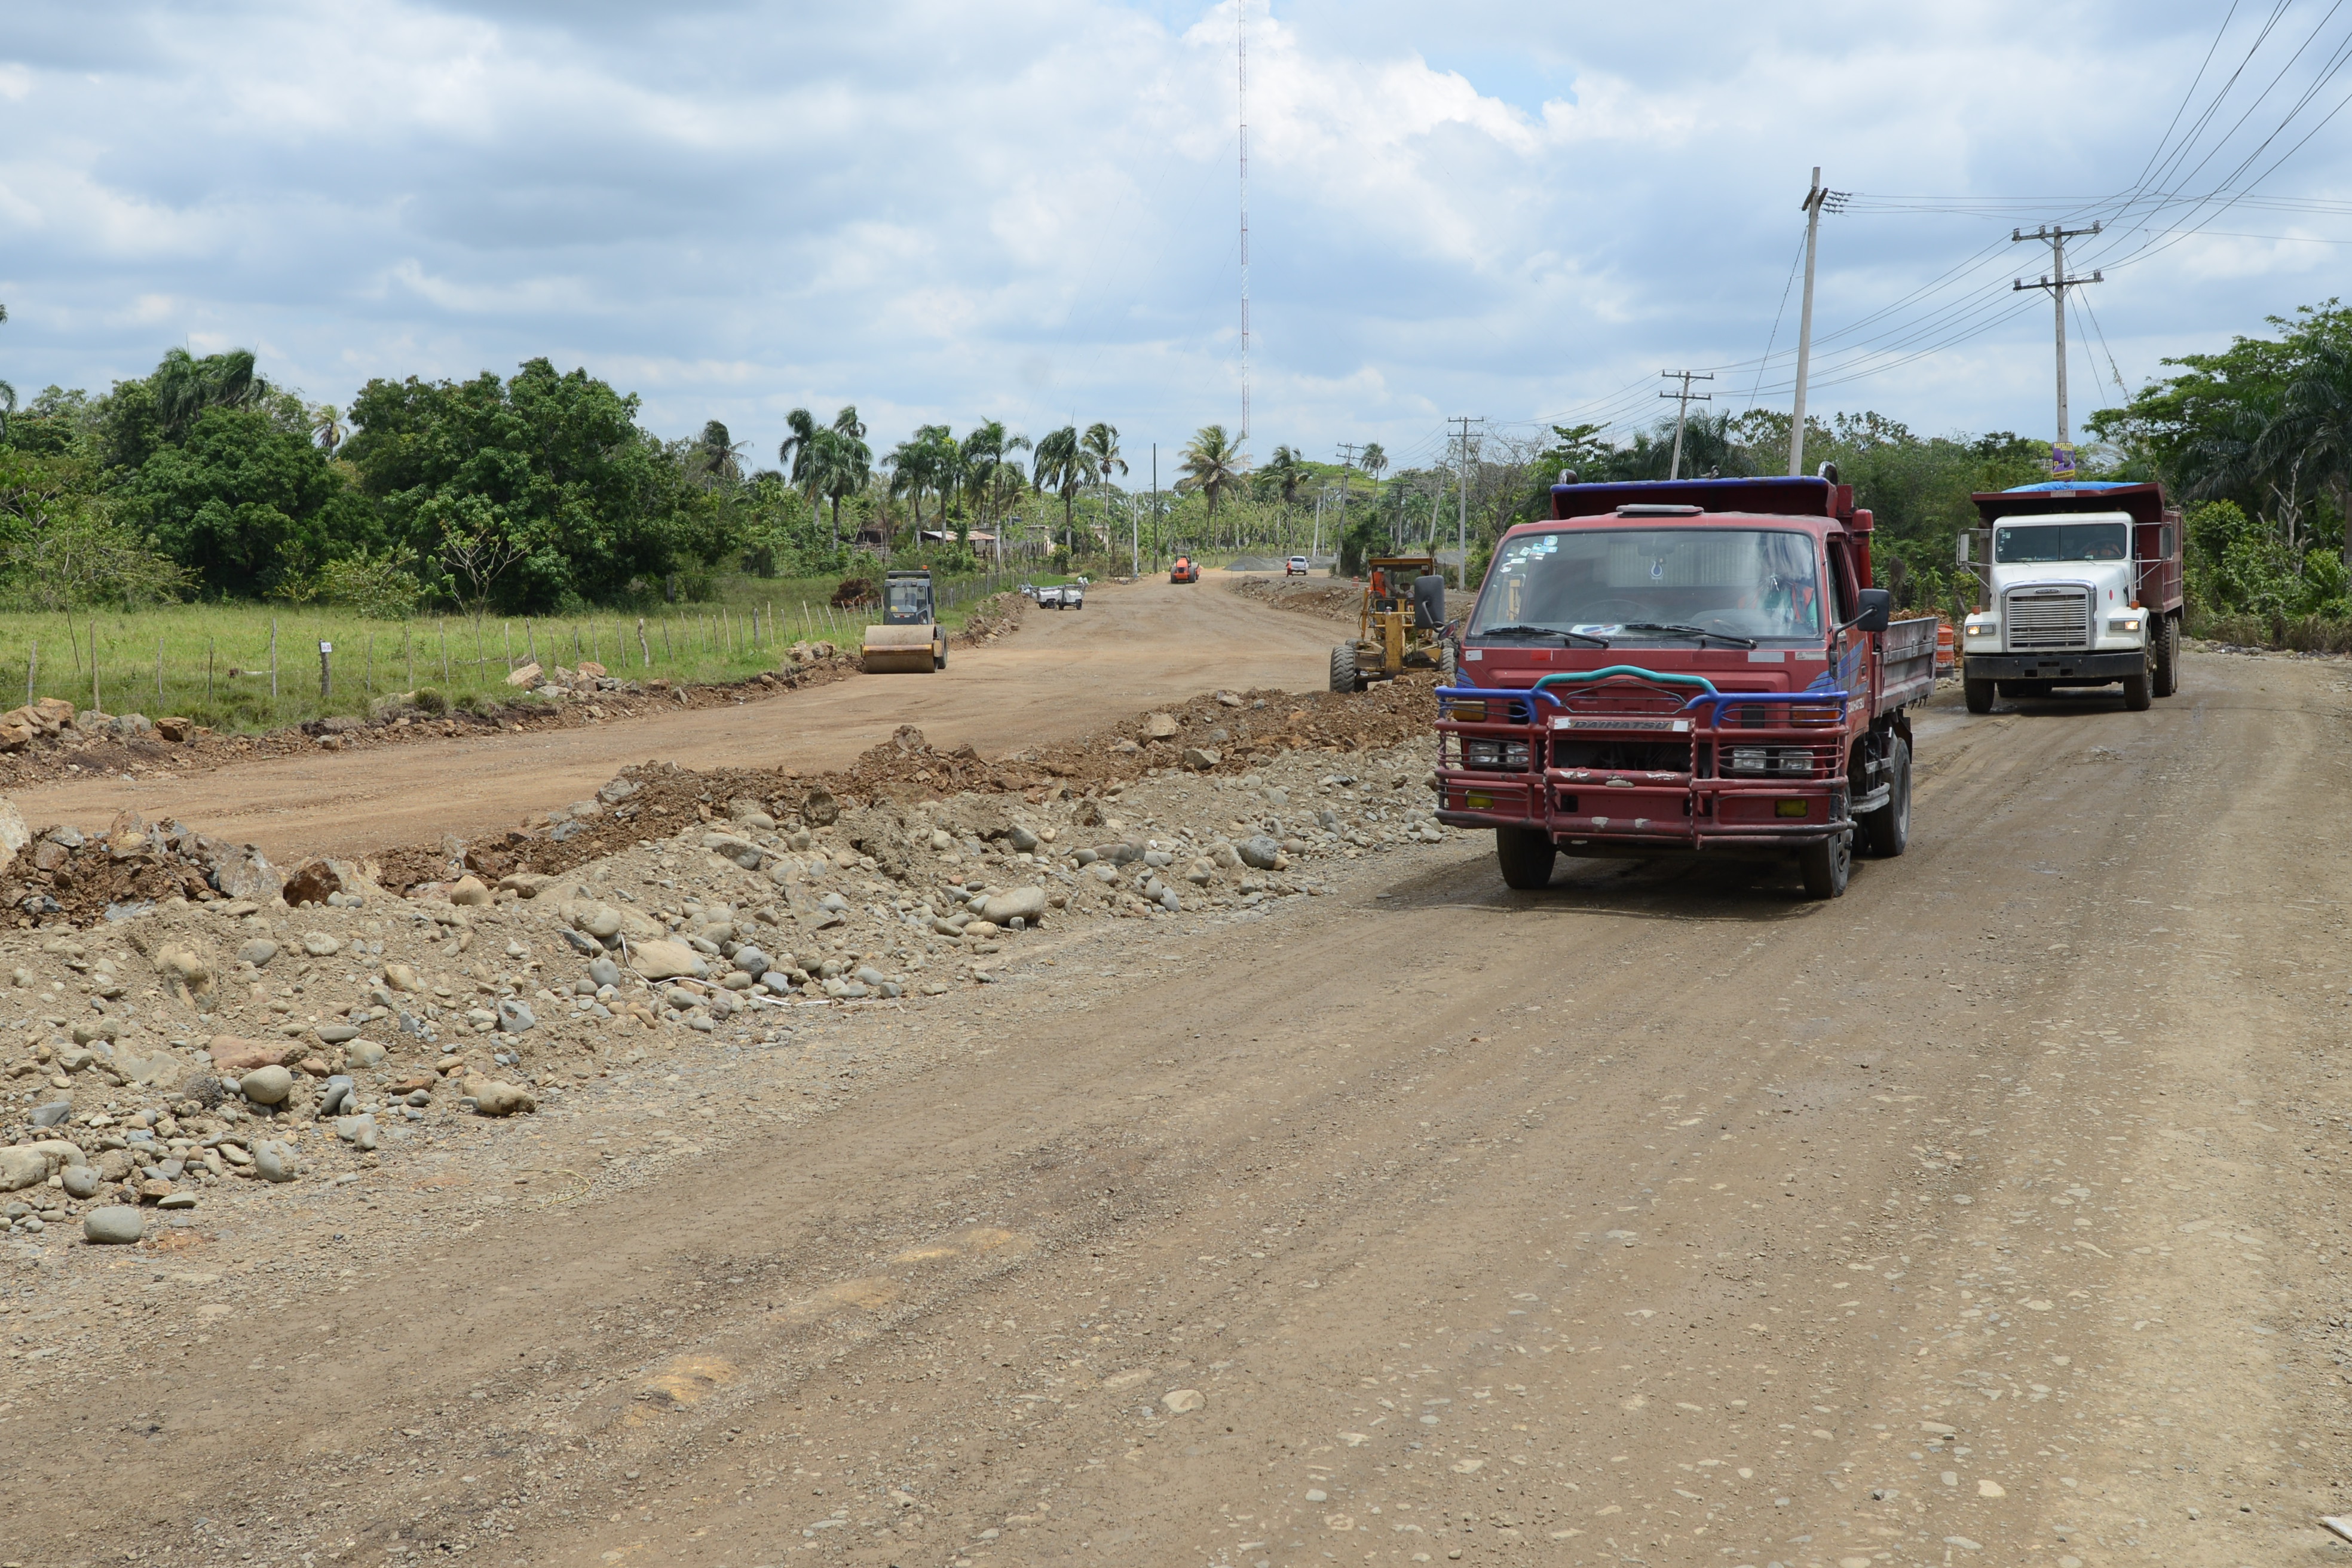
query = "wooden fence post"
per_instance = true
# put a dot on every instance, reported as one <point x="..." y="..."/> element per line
<point x="32" y="668"/>
<point x="408" y="654"/>
<point x="96" y="706"/>
<point x="208" y="672"/>
<point x="273" y="660"/>
<point x="643" y="646"/>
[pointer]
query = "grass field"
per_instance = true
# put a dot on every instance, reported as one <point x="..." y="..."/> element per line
<point x="215" y="663"/>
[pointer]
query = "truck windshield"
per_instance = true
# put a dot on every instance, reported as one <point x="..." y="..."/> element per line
<point x="2037" y="541"/>
<point x="906" y="601"/>
<point x="1739" y="582"/>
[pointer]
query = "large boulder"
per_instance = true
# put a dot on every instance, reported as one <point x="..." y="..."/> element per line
<point x="666" y="960"/>
<point x="1023" y="903"/>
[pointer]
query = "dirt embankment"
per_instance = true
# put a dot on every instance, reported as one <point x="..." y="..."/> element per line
<point x="1329" y="599"/>
<point x="101" y="743"/>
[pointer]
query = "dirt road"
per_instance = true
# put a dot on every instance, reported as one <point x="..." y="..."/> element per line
<point x="1992" y="1213"/>
<point x="1060" y="674"/>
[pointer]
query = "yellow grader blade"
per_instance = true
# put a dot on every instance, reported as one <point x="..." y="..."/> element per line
<point x="899" y="651"/>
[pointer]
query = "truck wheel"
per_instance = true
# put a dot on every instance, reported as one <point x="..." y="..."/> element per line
<point x="1977" y="694"/>
<point x="939" y="659"/>
<point x="1887" y="830"/>
<point x="1826" y="866"/>
<point x="2164" y="655"/>
<point x="1447" y="674"/>
<point x="1343" y="668"/>
<point x="2135" y="698"/>
<point x="1525" y="855"/>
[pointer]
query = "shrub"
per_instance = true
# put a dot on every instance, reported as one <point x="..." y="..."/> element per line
<point x="430" y="701"/>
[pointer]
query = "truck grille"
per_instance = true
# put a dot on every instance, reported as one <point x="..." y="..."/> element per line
<point x="2047" y="618"/>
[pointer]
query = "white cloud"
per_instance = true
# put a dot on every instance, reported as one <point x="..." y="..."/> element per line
<point x="1027" y="210"/>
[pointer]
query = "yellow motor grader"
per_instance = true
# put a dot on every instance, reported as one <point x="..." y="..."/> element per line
<point x="909" y="641"/>
<point x="1402" y="625"/>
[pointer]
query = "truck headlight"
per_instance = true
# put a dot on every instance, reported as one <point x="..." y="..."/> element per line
<point x="1499" y="756"/>
<point x="1749" y="760"/>
<point x="1985" y="628"/>
<point x="2123" y="623"/>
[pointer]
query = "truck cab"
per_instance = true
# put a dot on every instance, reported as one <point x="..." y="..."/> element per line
<point x="2080" y="585"/>
<point x="1689" y="667"/>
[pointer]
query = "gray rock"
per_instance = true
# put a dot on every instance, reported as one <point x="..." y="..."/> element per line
<point x="318" y="944"/>
<point x="777" y="982"/>
<point x="340" y="1093"/>
<point x="581" y="943"/>
<point x="604" y="972"/>
<point x="752" y="961"/>
<point x="1021" y="839"/>
<point x="51" y="1114"/>
<point x="357" y="1130"/>
<point x="274" y="1162"/>
<point x="869" y="976"/>
<point x="22" y="1168"/>
<point x="116" y="1225"/>
<point x="257" y="953"/>
<point x="266" y="1086"/>
<point x="515" y="1017"/>
<point x="178" y="1201"/>
<point x="365" y="1053"/>
<point x="1202" y="757"/>
<point x="1026" y="903"/>
<point x="337" y="1034"/>
<point x="1169" y="900"/>
<point x="1258" y="851"/>
<point x="82" y="1181"/>
<point x="600" y="921"/>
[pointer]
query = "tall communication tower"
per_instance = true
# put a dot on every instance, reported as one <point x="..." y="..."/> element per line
<point x="1242" y="66"/>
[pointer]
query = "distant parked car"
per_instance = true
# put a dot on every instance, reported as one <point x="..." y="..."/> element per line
<point x="1296" y="566"/>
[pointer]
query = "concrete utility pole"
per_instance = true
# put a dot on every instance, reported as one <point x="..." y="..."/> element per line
<point x="1816" y="199"/>
<point x="2057" y="282"/>
<point x="1682" y="401"/>
<point x="1461" y="525"/>
<point x="1346" y="474"/>
<point x="1155" y="506"/>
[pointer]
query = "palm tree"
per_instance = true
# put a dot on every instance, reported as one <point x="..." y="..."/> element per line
<point x="186" y="387"/>
<point x="1375" y="460"/>
<point x="925" y="461"/>
<point x="326" y="425"/>
<point x="985" y="463"/>
<point x="717" y="458"/>
<point x="1212" y="463"/>
<point x="1286" y="468"/>
<point x="1101" y="446"/>
<point x="792" y="451"/>
<point x="1063" y="463"/>
<point x="7" y="391"/>
<point x="839" y="463"/>
<point x="2314" y="427"/>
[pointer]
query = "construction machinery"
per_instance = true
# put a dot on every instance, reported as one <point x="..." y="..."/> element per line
<point x="1186" y="570"/>
<point x="1402" y="625"/>
<point x="910" y="640"/>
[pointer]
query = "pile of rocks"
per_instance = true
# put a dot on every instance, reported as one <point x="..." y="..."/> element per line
<point x="55" y="720"/>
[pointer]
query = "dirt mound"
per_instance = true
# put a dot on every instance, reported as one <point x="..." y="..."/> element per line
<point x="991" y="618"/>
<point x="1332" y="600"/>
<point x="1240" y="730"/>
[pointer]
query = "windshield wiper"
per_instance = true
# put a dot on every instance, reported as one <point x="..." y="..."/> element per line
<point x="1540" y="632"/>
<point x="1699" y="632"/>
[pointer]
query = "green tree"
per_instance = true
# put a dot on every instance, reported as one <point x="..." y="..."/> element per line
<point x="1063" y="465"/>
<point x="1212" y="463"/>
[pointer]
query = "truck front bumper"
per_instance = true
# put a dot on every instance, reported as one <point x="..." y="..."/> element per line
<point x="2063" y="666"/>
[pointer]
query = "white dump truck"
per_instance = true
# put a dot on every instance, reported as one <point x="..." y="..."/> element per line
<point x="2080" y="585"/>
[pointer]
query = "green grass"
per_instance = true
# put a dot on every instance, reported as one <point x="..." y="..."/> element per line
<point x="214" y="660"/>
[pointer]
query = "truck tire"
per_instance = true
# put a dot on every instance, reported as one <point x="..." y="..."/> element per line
<point x="1526" y="855"/>
<point x="1887" y="830"/>
<point x="1827" y="866"/>
<point x="1447" y="674"/>
<point x="1977" y="694"/>
<point x="1343" y="668"/>
<point x="2136" y="697"/>
<point x="2164" y="657"/>
<point x="939" y="659"/>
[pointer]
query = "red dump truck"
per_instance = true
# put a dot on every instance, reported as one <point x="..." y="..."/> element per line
<point x="1699" y="665"/>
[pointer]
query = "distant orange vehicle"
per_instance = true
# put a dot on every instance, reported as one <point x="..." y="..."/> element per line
<point x="1186" y="570"/>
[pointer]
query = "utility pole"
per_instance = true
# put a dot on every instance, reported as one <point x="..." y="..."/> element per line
<point x="1816" y="199"/>
<point x="2061" y="455"/>
<point x="1682" y="401"/>
<point x="1241" y="65"/>
<point x="1346" y="473"/>
<point x="1155" y="506"/>
<point x="1461" y="524"/>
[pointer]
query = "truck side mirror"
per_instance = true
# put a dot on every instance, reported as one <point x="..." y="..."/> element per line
<point x="1877" y="609"/>
<point x="1960" y="548"/>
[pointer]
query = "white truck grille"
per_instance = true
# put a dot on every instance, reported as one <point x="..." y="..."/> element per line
<point x="2042" y="619"/>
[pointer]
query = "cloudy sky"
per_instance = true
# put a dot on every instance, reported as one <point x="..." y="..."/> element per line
<point x="1026" y="210"/>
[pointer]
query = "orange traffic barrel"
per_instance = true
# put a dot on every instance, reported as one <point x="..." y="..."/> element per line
<point x="1947" y="652"/>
